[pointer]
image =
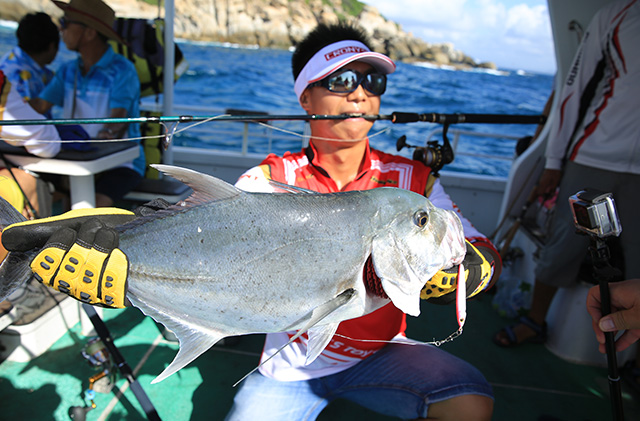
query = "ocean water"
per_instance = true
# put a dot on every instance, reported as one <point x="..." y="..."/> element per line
<point x="223" y="77"/>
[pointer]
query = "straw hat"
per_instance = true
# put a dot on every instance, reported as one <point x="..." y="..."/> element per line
<point x="95" y="14"/>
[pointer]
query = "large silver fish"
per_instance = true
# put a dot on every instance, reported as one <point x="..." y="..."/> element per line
<point x="231" y="262"/>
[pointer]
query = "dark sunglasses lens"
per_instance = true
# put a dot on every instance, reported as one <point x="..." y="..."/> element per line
<point x="375" y="83"/>
<point x="343" y="82"/>
<point x="63" y="23"/>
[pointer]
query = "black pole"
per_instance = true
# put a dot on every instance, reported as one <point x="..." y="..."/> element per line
<point x="395" y="117"/>
<point x="604" y="274"/>
<point x="400" y="117"/>
<point x="121" y="363"/>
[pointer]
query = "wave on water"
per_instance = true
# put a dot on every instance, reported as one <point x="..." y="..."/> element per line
<point x="8" y="24"/>
<point x="430" y="65"/>
<point x="217" y="44"/>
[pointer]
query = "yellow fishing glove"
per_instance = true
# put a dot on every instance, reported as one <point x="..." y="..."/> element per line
<point x="79" y="256"/>
<point x="479" y="266"/>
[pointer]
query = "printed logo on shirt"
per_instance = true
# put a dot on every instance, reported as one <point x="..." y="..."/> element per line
<point x="387" y="182"/>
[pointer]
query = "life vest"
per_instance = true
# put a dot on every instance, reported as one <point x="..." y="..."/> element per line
<point x="145" y="48"/>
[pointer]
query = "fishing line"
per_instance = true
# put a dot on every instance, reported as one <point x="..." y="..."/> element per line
<point x="308" y="137"/>
<point x="414" y="342"/>
<point x="461" y="314"/>
<point x="172" y="131"/>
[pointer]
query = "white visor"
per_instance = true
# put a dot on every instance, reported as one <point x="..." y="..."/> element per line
<point x="336" y="55"/>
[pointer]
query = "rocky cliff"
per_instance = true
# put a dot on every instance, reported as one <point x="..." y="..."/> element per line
<point x="272" y="23"/>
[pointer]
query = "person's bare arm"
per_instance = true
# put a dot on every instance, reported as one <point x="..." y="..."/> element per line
<point x="114" y="130"/>
<point x="40" y="105"/>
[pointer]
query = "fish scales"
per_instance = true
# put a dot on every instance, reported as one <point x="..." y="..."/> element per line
<point x="246" y="253"/>
<point x="231" y="262"/>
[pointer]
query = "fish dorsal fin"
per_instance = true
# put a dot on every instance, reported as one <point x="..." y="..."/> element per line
<point x="286" y="188"/>
<point x="205" y="187"/>
<point x="314" y="317"/>
<point x="319" y="338"/>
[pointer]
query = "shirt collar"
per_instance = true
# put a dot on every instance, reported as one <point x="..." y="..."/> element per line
<point x="104" y="61"/>
<point x="106" y="58"/>
<point x="25" y="58"/>
<point x="312" y="156"/>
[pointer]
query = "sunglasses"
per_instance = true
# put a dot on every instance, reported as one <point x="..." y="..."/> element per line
<point x="64" y="22"/>
<point x="348" y="81"/>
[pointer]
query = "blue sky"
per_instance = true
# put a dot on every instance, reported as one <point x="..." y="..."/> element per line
<point x="514" y="34"/>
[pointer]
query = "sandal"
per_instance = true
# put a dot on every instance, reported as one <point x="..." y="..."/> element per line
<point x="540" y="336"/>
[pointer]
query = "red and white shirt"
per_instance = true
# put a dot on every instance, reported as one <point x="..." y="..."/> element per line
<point x="347" y="346"/>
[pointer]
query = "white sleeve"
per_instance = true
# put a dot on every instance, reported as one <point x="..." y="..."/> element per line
<point x="28" y="136"/>
<point x="254" y="180"/>
<point x="442" y="200"/>
<point x="567" y="114"/>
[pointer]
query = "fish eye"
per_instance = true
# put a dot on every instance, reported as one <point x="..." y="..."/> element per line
<point x="421" y="218"/>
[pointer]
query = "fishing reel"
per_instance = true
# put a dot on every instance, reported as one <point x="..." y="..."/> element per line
<point x="98" y="356"/>
<point x="434" y="154"/>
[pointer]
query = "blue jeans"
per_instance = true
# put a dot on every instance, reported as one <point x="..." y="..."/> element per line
<point x="399" y="380"/>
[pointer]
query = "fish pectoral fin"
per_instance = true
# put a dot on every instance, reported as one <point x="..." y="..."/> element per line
<point x="192" y="344"/>
<point x="313" y="318"/>
<point x="319" y="338"/>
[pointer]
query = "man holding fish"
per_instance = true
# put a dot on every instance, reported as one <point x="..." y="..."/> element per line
<point x="368" y="359"/>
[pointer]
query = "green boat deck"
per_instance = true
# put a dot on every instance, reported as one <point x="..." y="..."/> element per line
<point x="530" y="382"/>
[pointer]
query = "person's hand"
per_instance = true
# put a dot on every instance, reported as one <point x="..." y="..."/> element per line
<point x="79" y="253"/>
<point x="548" y="182"/>
<point x="479" y="266"/>
<point x="625" y="313"/>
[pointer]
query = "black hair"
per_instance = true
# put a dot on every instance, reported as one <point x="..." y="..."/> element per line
<point x="321" y="36"/>
<point x="36" y="32"/>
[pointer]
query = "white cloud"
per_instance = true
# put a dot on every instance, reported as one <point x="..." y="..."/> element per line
<point x="511" y="33"/>
<point x="525" y="22"/>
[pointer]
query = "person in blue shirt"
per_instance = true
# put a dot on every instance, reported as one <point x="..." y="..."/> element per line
<point x="98" y="84"/>
<point x="23" y="75"/>
<point x="25" y="66"/>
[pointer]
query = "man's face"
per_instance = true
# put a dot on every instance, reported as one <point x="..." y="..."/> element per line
<point x="319" y="100"/>
<point x="72" y="34"/>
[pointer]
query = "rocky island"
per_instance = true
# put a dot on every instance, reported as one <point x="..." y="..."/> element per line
<point x="272" y="24"/>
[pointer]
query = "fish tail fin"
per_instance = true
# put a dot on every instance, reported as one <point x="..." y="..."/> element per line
<point x="15" y="270"/>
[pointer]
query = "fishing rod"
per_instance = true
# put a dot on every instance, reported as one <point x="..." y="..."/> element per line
<point x="395" y="117"/>
<point x="433" y="155"/>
